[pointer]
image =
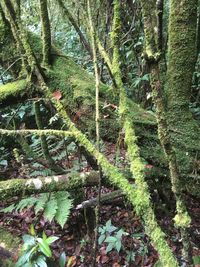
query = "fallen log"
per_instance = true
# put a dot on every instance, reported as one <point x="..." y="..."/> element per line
<point x="105" y="198"/>
<point x="69" y="182"/>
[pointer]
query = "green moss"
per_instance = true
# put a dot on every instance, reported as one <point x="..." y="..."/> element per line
<point x="8" y="241"/>
<point x="150" y="24"/>
<point x="182" y="220"/>
<point x="13" y="89"/>
<point x="181" y="63"/>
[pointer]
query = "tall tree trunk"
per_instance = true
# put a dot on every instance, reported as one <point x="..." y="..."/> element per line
<point x="181" y="63"/>
<point x="46" y="32"/>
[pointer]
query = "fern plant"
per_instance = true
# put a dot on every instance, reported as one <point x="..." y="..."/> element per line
<point x="55" y="205"/>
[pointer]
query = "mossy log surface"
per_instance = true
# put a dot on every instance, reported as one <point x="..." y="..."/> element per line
<point x="9" y="247"/>
<point x="69" y="182"/>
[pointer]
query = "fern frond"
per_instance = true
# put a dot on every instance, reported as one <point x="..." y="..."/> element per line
<point x="51" y="208"/>
<point x="8" y="209"/>
<point x="60" y="156"/>
<point x="57" y="206"/>
<point x="64" y="205"/>
<point x="40" y="204"/>
<point x="25" y="203"/>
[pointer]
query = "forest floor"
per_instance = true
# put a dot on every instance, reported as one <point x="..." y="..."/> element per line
<point x="76" y="236"/>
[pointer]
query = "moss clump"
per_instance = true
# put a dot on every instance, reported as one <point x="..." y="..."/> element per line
<point x="78" y="98"/>
<point x="13" y="89"/>
<point x="182" y="220"/>
<point x="8" y="241"/>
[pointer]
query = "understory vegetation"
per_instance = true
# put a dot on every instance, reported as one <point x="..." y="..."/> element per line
<point x="99" y="133"/>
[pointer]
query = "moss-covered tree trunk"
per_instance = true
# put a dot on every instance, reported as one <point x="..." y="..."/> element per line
<point x="181" y="62"/>
<point x="153" y="57"/>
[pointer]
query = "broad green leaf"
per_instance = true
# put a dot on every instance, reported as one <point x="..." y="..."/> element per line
<point x="101" y="239"/>
<point x="41" y="262"/>
<point x="29" y="239"/>
<point x="44" y="247"/>
<point x="62" y="260"/>
<point x="44" y="236"/>
<point x="196" y="260"/>
<point x="111" y="239"/>
<point x="24" y="258"/>
<point x="109" y="247"/>
<point x="101" y="230"/>
<point x="51" y="239"/>
<point x="118" y="245"/>
<point x="111" y="229"/>
<point x="108" y="224"/>
<point x="120" y="233"/>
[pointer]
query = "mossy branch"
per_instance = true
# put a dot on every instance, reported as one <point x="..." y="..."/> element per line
<point x="69" y="182"/>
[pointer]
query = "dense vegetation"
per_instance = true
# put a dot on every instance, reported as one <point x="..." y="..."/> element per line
<point x="99" y="105"/>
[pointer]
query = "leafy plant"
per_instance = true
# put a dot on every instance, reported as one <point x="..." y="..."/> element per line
<point x="62" y="260"/>
<point x="105" y="231"/>
<point x="196" y="260"/>
<point x="35" y="251"/>
<point x="55" y="205"/>
<point x="137" y="81"/>
<point x="115" y="242"/>
<point x="112" y="236"/>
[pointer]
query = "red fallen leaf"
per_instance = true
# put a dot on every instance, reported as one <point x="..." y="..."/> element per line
<point x="77" y="116"/>
<point x="57" y="95"/>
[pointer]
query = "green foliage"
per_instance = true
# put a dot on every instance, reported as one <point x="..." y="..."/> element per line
<point x="196" y="260"/>
<point x="35" y="251"/>
<point x="113" y="237"/>
<point x="106" y="231"/>
<point x="55" y="205"/>
<point x="12" y="89"/>
<point x="62" y="260"/>
<point x="115" y="242"/>
<point x="137" y="81"/>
